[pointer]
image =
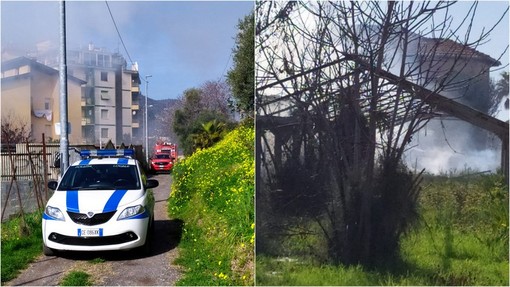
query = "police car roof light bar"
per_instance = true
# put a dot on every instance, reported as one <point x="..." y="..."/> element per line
<point x="107" y="153"/>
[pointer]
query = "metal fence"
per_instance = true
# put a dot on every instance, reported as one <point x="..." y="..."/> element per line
<point x="27" y="162"/>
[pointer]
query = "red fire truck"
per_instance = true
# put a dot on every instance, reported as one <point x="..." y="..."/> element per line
<point x="163" y="157"/>
<point x="166" y="147"/>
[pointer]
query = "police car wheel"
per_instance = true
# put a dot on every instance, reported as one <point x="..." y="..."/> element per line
<point x="146" y="248"/>
<point x="48" y="251"/>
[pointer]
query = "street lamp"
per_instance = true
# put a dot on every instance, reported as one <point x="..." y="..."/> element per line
<point x="146" y="122"/>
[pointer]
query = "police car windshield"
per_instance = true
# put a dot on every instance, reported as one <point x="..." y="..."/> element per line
<point x="103" y="176"/>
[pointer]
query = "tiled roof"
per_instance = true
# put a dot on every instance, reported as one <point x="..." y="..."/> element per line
<point x="449" y="47"/>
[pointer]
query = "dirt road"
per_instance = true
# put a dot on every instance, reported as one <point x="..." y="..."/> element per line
<point x="118" y="268"/>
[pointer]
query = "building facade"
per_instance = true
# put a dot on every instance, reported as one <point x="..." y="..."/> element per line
<point x="103" y="96"/>
<point x="110" y="106"/>
<point x="30" y="96"/>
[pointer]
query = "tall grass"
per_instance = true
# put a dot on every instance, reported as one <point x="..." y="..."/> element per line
<point x="461" y="239"/>
<point x="213" y="193"/>
<point x="21" y="243"/>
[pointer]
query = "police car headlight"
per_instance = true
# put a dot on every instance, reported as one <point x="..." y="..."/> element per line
<point x="54" y="213"/>
<point x="131" y="211"/>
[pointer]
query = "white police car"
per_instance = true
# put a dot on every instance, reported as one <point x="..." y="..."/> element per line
<point x="102" y="202"/>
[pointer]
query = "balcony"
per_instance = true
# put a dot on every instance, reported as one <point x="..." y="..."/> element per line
<point x="135" y="89"/>
<point x="87" y="121"/>
<point x="89" y="101"/>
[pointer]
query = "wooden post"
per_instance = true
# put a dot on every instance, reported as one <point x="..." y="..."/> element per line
<point x="45" y="168"/>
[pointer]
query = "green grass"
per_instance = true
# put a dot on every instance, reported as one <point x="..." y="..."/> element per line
<point x="448" y="256"/>
<point x="462" y="240"/>
<point x="300" y="272"/>
<point x="97" y="260"/>
<point x="213" y="193"/>
<point x="21" y="244"/>
<point x="76" y="278"/>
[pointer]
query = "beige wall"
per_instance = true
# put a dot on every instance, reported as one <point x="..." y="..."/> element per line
<point x="110" y="83"/>
<point x="15" y="100"/>
<point x="44" y="89"/>
<point x="74" y="111"/>
<point x="34" y="92"/>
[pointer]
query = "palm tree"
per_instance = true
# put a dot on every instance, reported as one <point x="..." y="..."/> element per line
<point x="211" y="133"/>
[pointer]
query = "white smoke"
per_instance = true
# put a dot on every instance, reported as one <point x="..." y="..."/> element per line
<point x="449" y="146"/>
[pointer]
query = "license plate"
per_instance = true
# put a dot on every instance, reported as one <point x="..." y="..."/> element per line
<point x="95" y="232"/>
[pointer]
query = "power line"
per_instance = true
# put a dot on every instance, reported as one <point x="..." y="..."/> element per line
<point x="228" y="60"/>
<point x="118" y="33"/>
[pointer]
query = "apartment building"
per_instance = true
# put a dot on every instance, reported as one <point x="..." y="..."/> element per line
<point x="103" y="96"/>
<point x="31" y="96"/>
<point x="110" y="107"/>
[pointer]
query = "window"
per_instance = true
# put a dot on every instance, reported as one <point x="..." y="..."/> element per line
<point x="100" y="63"/>
<point x="104" y="133"/>
<point x="47" y="104"/>
<point x="104" y="114"/>
<point x="101" y="176"/>
<point x="90" y="59"/>
<point x="104" y="95"/>
<point x="104" y="76"/>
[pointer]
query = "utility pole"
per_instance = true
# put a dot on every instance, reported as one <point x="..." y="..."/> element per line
<point x="146" y="122"/>
<point x="64" y="141"/>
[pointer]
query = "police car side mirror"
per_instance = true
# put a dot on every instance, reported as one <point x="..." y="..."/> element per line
<point x="52" y="184"/>
<point x="151" y="183"/>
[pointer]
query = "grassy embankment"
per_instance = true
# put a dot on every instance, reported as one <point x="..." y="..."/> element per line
<point x="213" y="193"/>
<point x="462" y="239"/>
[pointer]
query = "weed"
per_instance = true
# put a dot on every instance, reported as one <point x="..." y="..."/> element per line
<point x="97" y="260"/>
<point x="76" y="278"/>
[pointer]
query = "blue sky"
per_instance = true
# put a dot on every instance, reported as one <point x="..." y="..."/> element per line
<point x="181" y="44"/>
<point x="487" y="14"/>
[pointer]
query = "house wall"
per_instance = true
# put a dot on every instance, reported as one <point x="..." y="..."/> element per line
<point x="74" y="111"/>
<point x="46" y="90"/>
<point x="32" y="93"/>
<point x="466" y="79"/>
<point x="15" y="99"/>
<point x="44" y="95"/>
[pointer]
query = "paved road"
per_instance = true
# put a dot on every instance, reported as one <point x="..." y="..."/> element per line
<point x="118" y="268"/>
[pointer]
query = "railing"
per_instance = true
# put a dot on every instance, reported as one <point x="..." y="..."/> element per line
<point x="87" y="121"/>
<point x="27" y="164"/>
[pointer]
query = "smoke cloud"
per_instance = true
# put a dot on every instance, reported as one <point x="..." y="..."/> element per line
<point x="453" y="146"/>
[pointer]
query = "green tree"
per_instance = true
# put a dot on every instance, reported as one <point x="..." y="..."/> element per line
<point x="241" y="77"/>
<point x="186" y="116"/>
<point x="190" y="118"/>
